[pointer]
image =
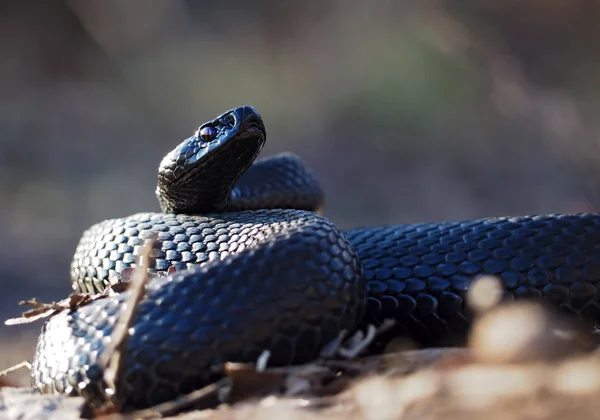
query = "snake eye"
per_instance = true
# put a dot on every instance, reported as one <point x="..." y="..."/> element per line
<point x="207" y="133"/>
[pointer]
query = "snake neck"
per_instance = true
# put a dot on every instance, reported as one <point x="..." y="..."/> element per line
<point x="189" y="200"/>
<point x="208" y="189"/>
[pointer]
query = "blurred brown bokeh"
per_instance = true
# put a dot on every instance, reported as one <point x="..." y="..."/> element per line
<point x="406" y="110"/>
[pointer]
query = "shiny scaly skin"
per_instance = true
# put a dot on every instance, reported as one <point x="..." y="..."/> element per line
<point x="108" y="247"/>
<point x="419" y="274"/>
<point x="289" y="281"/>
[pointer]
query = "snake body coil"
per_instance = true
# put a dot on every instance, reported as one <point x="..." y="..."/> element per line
<point x="257" y="270"/>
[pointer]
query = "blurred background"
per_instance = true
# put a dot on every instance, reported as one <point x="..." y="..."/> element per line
<point x="407" y="111"/>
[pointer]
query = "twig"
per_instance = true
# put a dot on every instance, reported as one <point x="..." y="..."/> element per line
<point x="174" y="406"/>
<point x="21" y="365"/>
<point x="45" y="310"/>
<point x="113" y="358"/>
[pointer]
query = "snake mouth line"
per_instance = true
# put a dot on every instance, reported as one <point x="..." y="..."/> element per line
<point x="254" y="128"/>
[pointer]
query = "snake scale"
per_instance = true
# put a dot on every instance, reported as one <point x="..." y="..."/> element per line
<point x="258" y="269"/>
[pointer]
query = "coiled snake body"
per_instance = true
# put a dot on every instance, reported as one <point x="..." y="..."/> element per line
<point x="258" y="270"/>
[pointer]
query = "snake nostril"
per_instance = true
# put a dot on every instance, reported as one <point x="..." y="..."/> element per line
<point x="229" y="120"/>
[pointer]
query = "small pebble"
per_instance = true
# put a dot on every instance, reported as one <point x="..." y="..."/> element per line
<point x="524" y="332"/>
<point x="484" y="294"/>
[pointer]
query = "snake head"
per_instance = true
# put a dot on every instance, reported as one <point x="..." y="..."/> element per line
<point x="198" y="175"/>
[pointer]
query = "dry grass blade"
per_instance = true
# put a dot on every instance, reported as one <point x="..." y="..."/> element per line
<point x="349" y="347"/>
<point x="330" y="349"/>
<point x="358" y="343"/>
<point x="263" y="359"/>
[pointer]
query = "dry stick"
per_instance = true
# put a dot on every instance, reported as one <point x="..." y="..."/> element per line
<point x="113" y="358"/>
<point x="174" y="406"/>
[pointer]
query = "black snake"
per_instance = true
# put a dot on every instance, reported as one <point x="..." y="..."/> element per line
<point x="258" y="270"/>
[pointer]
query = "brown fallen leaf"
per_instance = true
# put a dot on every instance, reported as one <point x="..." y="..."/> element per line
<point x="119" y="282"/>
